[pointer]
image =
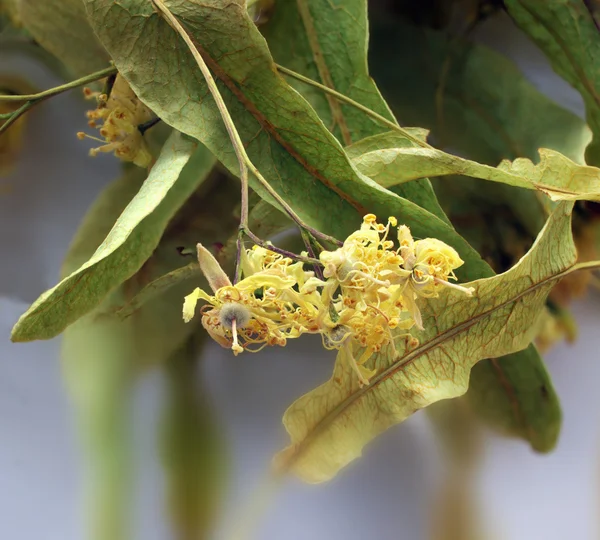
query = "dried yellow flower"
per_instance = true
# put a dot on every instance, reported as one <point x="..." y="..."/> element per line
<point x="118" y="117"/>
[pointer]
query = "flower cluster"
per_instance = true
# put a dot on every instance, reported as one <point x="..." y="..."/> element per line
<point x="368" y="298"/>
<point x="120" y="114"/>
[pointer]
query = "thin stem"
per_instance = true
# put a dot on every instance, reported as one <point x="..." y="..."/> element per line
<point x="311" y="252"/>
<point x="355" y="104"/>
<point x="271" y="247"/>
<point x="63" y="87"/>
<point x="244" y="161"/>
<point x="33" y="99"/>
<point x="14" y="116"/>
<point x="142" y="128"/>
<point x="238" y="257"/>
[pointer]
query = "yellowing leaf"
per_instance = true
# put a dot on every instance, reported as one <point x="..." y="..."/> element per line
<point x="478" y="101"/>
<point x="283" y="135"/>
<point x="330" y="425"/>
<point x="556" y="175"/>
<point x="326" y="41"/>
<point x="179" y="170"/>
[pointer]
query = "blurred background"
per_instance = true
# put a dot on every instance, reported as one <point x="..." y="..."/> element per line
<point x="391" y="493"/>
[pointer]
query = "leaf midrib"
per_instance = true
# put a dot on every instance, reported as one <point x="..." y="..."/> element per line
<point x="408" y="359"/>
<point x="313" y="41"/>
<point x="269" y="127"/>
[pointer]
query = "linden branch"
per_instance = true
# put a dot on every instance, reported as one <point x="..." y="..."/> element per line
<point x="31" y="100"/>
<point x="345" y="99"/>
<point x="245" y="163"/>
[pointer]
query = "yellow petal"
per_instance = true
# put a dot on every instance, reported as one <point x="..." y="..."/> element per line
<point x="189" y="304"/>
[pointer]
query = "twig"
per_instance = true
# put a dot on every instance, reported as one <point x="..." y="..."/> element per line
<point x="341" y="97"/>
<point x="244" y="161"/>
<point x="33" y="99"/>
<point x="309" y="248"/>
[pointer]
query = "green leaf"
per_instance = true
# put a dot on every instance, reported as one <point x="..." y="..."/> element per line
<point x="103" y="354"/>
<point x="473" y="99"/>
<point x="524" y="402"/>
<point x="159" y="286"/>
<point x="99" y="365"/>
<point x="129" y="244"/>
<point x="327" y="42"/>
<point x="289" y="145"/>
<point x="330" y="425"/>
<point x="420" y="191"/>
<point x="191" y="448"/>
<point x="61" y="27"/>
<point x="330" y="46"/>
<point x="388" y="139"/>
<point x="567" y="32"/>
<point x="10" y="9"/>
<point x="101" y="217"/>
<point x="556" y="175"/>
<point x="479" y="102"/>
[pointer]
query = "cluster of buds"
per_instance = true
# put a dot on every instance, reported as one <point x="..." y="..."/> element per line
<point x="118" y="116"/>
<point x="368" y="297"/>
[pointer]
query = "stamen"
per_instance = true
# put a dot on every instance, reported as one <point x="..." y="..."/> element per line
<point x="236" y="348"/>
<point x="467" y="290"/>
<point x="82" y="135"/>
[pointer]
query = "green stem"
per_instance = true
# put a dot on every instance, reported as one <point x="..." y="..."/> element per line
<point x="63" y="87"/>
<point x="14" y="116"/>
<point x="306" y="238"/>
<point x="341" y="97"/>
<point x="33" y="99"/>
<point x="244" y="161"/>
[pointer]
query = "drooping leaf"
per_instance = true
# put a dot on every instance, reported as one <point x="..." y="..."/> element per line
<point x="515" y="395"/>
<point x="206" y="217"/>
<point x="479" y="102"/>
<point x="420" y="191"/>
<point x="327" y="41"/>
<point x="567" y="32"/>
<point x="388" y="139"/>
<point x="99" y="365"/>
<point x="101" y="217"/>
<point x="61" y="27"/>
<point x="191" y="448"/>
<point x="555" y="175"/>
<point x="330" y="425"/>
<point x="180" y="169"/>
<point x="159" y="286"/>
<point x="103" y="354"/>
<point x="289" y="145"/>
<point x="473" y="99"/>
